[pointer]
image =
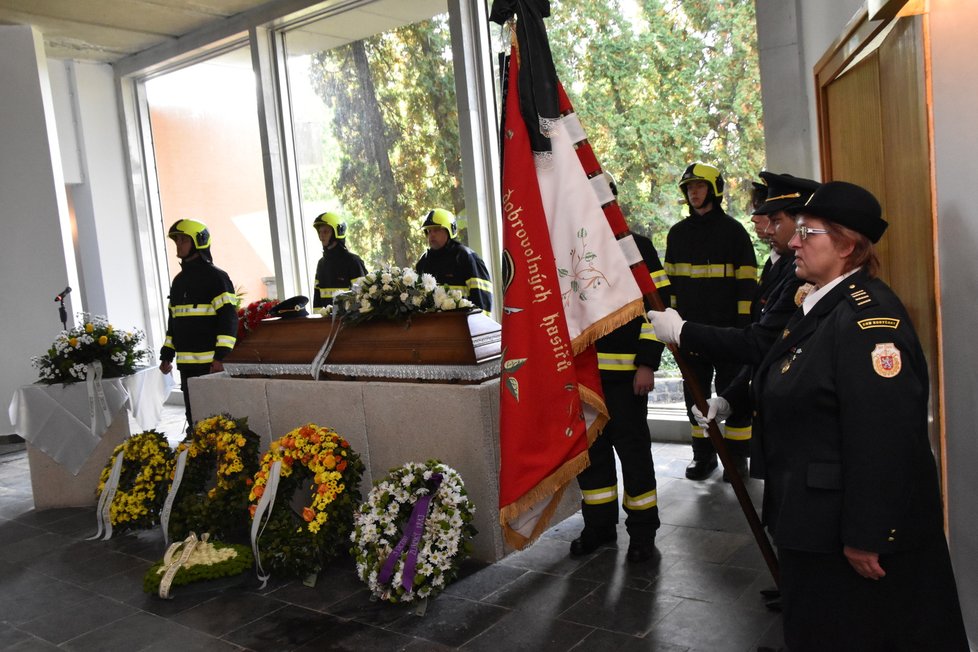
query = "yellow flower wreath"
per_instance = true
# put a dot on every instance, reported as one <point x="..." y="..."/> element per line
<point x="147" y="465"/>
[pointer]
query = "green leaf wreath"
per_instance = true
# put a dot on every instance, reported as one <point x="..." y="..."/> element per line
<point x="222" y="457"/>
<point x="210" y="560"/>
<point x="321" y="474"/>
<point x="381" y="523"/>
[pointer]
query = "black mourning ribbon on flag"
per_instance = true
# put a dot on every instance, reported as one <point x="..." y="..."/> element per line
<point x="538" y="78"/>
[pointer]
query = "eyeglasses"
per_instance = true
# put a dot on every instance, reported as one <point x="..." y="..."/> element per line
<point x="805" y="231"/>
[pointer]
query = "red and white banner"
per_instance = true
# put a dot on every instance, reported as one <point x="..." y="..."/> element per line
<point x="567" y="282"/>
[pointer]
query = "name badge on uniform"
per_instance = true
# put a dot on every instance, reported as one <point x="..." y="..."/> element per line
<point x="886" y="360"/>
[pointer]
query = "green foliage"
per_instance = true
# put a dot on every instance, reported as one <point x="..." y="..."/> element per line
<point x="396" y="122"/>
<point x="657" y="83"/>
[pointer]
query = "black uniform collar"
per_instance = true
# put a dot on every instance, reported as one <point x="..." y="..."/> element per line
<point x="716" y="211"/>
<point x="197" y="261"/>
<point x="447" y="250"/>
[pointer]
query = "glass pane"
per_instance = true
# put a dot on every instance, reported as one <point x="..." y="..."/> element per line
<point x="376" y="127"/>
<point x="209" y="164"/>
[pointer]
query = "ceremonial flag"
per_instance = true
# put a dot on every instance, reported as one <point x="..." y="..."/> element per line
<point x="567" y="281"/>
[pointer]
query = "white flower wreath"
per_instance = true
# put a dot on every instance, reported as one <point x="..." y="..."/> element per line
<point x="387" y="532"/>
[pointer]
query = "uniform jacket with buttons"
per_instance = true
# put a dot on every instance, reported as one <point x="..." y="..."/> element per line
<point x="842" y="418"/>
<point x="203" y="321"/>
<point x="770" y="281"/>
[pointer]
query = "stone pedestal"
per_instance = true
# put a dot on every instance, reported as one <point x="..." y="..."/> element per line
<point x="54" y="486"/>
<point x="388" y="424"/>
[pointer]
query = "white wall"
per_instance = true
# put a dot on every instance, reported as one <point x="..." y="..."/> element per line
<point x="36" y="253"/>
<point x="54" y="111"/>
<point x="953" y="25"/>
<point x="108" y="250"/>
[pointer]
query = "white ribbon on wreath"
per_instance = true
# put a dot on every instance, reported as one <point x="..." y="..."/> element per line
<point x="263" y="512"/>
<point x="103" y="511"/>
<point x="171" y="496"/>
<point x="172" y="565"/>
<point x="96" y="395"/>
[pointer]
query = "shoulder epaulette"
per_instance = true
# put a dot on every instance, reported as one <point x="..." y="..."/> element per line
<point x="859" y="297"/>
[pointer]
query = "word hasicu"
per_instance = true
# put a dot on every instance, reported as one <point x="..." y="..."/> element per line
<point x="561" y="352"/>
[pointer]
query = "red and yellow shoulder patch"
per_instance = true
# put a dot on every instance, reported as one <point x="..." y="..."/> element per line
<point x="886" y="360"/>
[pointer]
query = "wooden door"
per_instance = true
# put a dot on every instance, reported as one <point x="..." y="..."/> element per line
<point x="874" y="130"/>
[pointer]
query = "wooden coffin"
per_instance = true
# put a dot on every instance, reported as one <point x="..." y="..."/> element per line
<point x="453" y="346"/>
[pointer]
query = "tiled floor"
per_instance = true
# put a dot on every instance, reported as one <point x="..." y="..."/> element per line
<point x="701" y="592"/>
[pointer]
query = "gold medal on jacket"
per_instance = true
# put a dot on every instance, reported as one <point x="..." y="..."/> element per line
<point x="886" y="360"/>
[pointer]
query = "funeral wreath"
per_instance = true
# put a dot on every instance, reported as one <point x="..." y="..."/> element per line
<point x="196" y="560"/>
<point x="147" y="463"/>
<point x="212" y="496"/>
<point x="308" y="519"/>
<point x="413" y="532"/>
<point x="250" y="317"/>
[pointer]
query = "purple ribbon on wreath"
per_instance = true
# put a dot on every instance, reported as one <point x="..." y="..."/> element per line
<point x="412" y="534"/>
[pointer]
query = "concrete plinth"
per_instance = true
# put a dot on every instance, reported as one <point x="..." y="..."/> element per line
<point x="54" y="486"/>
<point x="388" y="424"/>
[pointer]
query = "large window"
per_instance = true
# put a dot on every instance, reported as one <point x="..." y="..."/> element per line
<point x="375" y="124"/>
<point x="208" y="161"/>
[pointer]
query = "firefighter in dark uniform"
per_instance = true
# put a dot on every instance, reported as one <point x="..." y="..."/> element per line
<point x="711" y="264"/>
<point x="338" y="266"/>
<point x="851" y="495"/>
<point x="452" y="263"/>
<point x="203" y="320"/>
<point x="749" y="345"/>
<point x="627" y="359"/>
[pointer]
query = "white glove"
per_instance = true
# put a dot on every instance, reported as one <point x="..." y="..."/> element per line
<point x="718" y="409"/>
<point x="668" y="325"/>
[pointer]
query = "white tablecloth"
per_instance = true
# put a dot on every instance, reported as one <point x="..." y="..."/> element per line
<point x="56" y="418"/>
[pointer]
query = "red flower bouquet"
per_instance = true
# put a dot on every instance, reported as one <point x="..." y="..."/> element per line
<point x="249" y="318"/>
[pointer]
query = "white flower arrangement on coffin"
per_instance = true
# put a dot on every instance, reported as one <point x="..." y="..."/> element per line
<point x="394" y="293"/>
<point x="413" y="531"/>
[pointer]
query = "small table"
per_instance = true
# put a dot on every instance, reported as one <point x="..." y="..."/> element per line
<point x="65" y="454"/>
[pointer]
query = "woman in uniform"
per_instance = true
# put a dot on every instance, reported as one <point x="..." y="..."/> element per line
<point x="851" y="494"/>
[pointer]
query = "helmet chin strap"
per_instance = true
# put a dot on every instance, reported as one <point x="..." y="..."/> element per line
<point x="194" y="253"/>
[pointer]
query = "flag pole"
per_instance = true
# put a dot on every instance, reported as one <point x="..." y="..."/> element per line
<point x="541" y="101"/>
<point x="654" y="302"/>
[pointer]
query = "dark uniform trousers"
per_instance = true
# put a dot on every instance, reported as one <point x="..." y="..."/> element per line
<point x="628" y="433"/>
<point x="188" y="371"/>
